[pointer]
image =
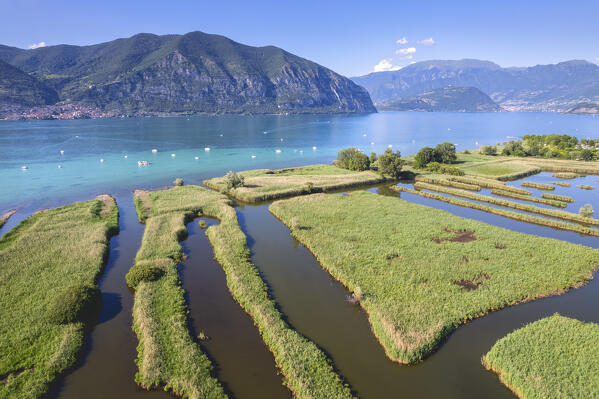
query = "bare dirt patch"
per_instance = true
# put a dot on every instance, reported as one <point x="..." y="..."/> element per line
<point x="469" y="285"/>
<point x="458" y="236"/>
<point x="144" y="197"/>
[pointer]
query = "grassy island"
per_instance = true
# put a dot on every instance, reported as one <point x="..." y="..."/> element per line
<point x="266" y="185"/>
<point x="167" y="354"/>
<point x="555" y="357"/>
<point x="420" y="272"/>
<point x="49" y="266"/>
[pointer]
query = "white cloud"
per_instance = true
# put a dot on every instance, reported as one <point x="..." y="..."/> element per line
<point x="37" y="45"/>
<point x="385" y="65"/>
<point x="597" y="59"/>
<point x="403" y="40"/>
<point x="427" y="42"/>
<point x="406" y="51"/>
<point x="408" y="57"/>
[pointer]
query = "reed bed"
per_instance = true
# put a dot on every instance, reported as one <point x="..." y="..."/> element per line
<point x="538" y="186"/>
<point x="561" y="184"/>
<point x="49" y="265"/>
<point x="306" y="369"/>
<point x="585" y="187"/>
<point x="566" y="175"/>
<point x="554" y="213"/>
<point x="545" y="200"/>
<point x="562" y="198"/>
<point x="268" y="185"/>
<point x="420" y="272"/>
<point x="448" y="182"/>
<point x="522" y="217"/>
<point x="491" y="184"/>
<point x="555" y="357"/>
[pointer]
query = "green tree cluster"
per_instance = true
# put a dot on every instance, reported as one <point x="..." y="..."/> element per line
<point x="442" y="153"/>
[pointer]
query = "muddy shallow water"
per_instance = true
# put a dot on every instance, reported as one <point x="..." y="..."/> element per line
<point x="315" y="305"/>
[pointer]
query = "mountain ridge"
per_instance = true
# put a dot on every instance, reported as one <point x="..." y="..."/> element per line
<point x="553" y="87"/>
<point x="447" y="99"/>
<point x="194" y="72"/>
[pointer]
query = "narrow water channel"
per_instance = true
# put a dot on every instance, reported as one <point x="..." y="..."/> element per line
<point x="316" y="305"/>
<point x="242" y="361"/>
<point x="106" y="368"/>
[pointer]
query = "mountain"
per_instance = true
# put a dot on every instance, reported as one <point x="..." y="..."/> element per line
<point x="584" y="108"/>
<point x="555" y="87"/>
<point x="17" y="87"/>
<point x="195" y="72"/>
<point x="447" y="99"/>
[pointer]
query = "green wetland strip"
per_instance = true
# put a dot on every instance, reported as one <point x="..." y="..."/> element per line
<point x="430" y="271"/>
<point x="308" y="372"/>
<point x="555" y="357"/>
<point x="538" y="186"/>
<point x="504" y="212"/>
<point x="545" y="200"/>
<point x="554" y="213"/>
<point x="561" y="198"/>
<point x="49" y="266"/>
<point x="490" y="184"/>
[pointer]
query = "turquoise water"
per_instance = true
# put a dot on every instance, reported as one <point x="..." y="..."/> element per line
<point x="232" y="140"/>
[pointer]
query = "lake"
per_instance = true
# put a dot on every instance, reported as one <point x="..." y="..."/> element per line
<point x="232" y="140"/>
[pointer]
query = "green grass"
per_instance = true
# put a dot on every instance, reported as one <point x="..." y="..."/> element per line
<point x="43" y="261"/>
<point x="538" y="186"/>
<point x="413" y="279"/>
<point x="502" y="169"/>
<point x="554" y="213"/>
<point x="561" y="184"/>
<point x="447" y="181"/>
<point x="307" y="370"/>
<point x="490" y="184"/>
<point x="265" y="185"/>
<point x="555" y="357"/>
<point x="523" y="217"/>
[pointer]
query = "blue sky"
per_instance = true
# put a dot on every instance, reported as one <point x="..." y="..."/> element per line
<point x="350" y="37"/>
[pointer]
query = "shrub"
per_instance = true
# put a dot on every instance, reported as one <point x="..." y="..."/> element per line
<point x="425" y="156"/>
<point x="234" y="180"/>
<point x="488" y="150"/>
<point x="140" y="272"/>
<point x="372" y="157"/>
<point x="445" y="153"/>
<point x="202" y="224"/>
<point x="586" y="211"/>
<point x="466" y="152"/>
<point x="178" y="181"/>
<point x="514" y="148"/>
<point x="390" y="164"/>
<point x="308" y="186"/>
<point x="436" y="167"/>
<point x="79" y="302"/>
<point x="587" y="155"/>
<point x="352" y="159"/>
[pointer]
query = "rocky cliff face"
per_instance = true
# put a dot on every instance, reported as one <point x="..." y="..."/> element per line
<point x="190" y="73"/>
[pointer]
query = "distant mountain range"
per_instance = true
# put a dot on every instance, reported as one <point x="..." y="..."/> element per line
<point x="585" y="108"/>
<point x="556" y="87"/>
<point x="195" y="72"/>
<point x="447" y="99"/>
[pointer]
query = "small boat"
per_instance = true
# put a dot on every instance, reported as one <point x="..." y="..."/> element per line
<point x="277" y="151"/>
<point x="154" y="150"/>
<point x="207" y="149"/>
<point x="281" y="139"/>
<point x="59" y="166"/>
<point x="221" y="135"/>
<point x="253" y="156"/>
<point x="196" y="158"/>
<point x="101" y="160"/>
<point x="314" y="148"/>
<point x="61" y="152"/>
<point x="173" y="155"/>
<point x="125" y="156"/>
<point x="372" y="143"/>
<point x="364" y="135"/>
<point x="143" y="163"/>
<point x="24" y="167"/>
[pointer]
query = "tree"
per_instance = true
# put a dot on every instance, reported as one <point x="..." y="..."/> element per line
<point x="488" y="150"/>
<point x="390" y="164"/>
<point x="372" y="157"/>
<point x="234" y="180"/>
<point x="425" y="156"/>
<point x="352" y="159"/>
<point x="587" y="155"/>
<point x="514" y="148"/>
<point x="586" y="211"/>
<point x="445" y="153"/>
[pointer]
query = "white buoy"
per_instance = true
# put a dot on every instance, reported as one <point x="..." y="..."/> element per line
<point x="196" y="158"/>
<point x="24" y="167"/>
<point x="61" y="152"/>
<point x="314" y="148"/>
<point x="59" y="166"/>
<point x="301" y="151"/>
<point x="277" y="151"/>
<point x="101" y="160"/>
<point x="173" y="155"/>
<point x="390" y="146"/>
<point x="154" y="150"/>
<point x="253" y="156"/>
<point x="476" y="142"/>
<point x="364" y="135"/>
<point x="372" y="143"/>
<point x="125" y="156"/>
<point x="207" y="149"/>
<point x="281" y="139"/>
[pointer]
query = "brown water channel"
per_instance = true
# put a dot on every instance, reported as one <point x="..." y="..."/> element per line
<point x="316" y="305"/>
